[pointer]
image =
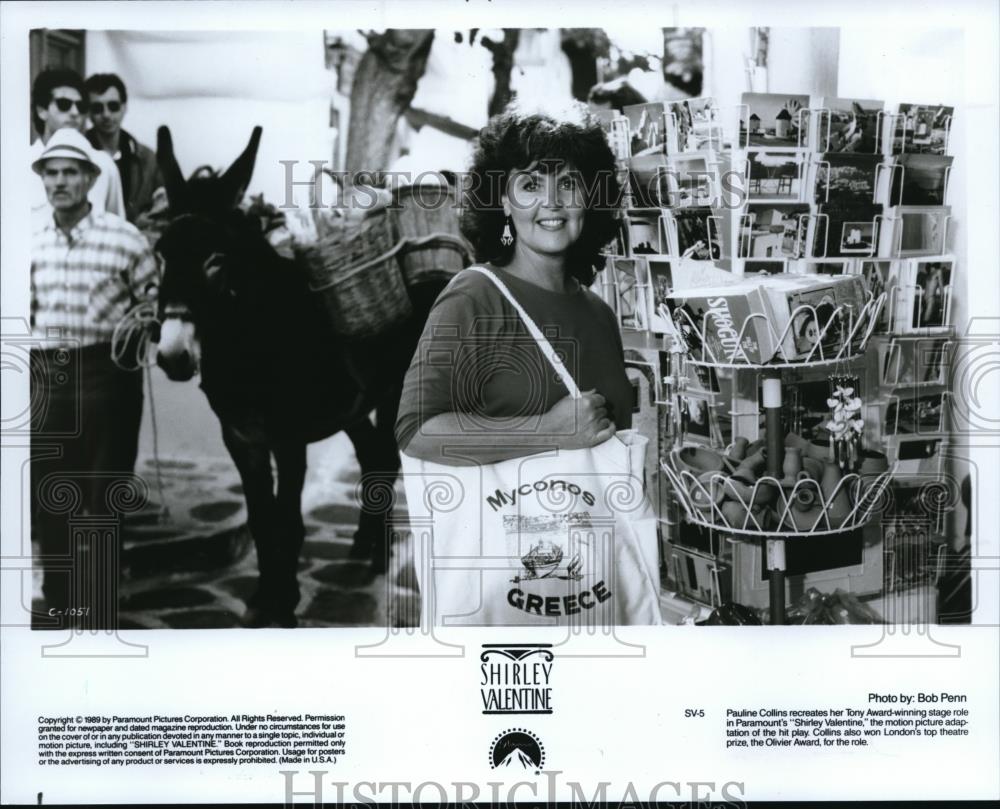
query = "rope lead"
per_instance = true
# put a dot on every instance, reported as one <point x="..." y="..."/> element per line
<point x="130" y="351"/>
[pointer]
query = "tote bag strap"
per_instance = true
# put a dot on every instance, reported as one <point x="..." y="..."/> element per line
<point x="543" y="344"/>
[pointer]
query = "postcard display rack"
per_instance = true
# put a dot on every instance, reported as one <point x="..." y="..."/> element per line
<point x="829" y="275"/>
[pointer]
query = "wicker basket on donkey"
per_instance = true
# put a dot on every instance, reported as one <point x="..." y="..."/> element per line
<point x="427" y="220"/>
<point x="354" y="268"/>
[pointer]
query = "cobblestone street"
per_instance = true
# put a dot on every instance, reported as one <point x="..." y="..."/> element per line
<point x="193" y="565"/>
<point x="199" y="592"/>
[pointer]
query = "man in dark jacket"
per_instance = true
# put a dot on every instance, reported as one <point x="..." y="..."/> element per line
<point x="108" y="103"/>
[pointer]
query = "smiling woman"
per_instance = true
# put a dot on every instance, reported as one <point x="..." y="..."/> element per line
<point x="515" y="407"/>
<point x="545" y="209"/>
<point x="539" y="207"/>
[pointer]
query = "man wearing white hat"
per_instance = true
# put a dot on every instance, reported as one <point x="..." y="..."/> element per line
<point x="58" y="101"/>
<point x="88" y="268"/>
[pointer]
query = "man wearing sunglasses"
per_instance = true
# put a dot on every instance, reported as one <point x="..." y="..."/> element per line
<point x="58" y="101"/>
<point x="140" y="176"/>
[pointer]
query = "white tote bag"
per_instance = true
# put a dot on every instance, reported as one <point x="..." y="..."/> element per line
<point x="565" y="537"/>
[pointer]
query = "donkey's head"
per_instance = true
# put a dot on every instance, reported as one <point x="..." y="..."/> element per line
<point x="203" y="253"/>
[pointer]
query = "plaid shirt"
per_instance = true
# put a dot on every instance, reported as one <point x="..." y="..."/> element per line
<point x="84" y="284"/>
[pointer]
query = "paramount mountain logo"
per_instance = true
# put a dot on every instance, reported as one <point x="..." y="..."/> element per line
<point x="517" y="749"/>
<point x="516" y="757"/>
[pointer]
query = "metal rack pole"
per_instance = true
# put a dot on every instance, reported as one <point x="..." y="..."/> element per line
<point x="775" y="548"/>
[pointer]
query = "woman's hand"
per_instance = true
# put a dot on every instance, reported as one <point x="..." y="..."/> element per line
<point x="579" y="423"/>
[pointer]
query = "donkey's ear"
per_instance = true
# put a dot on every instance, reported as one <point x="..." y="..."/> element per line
<point x="173" y="180"/>
<point x="237" y="176"/>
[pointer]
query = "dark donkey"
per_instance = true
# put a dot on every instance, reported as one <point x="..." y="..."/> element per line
<point x="274" y="372"/>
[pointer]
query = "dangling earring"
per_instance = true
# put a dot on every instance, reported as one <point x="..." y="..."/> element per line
<point x="507" y="238"/>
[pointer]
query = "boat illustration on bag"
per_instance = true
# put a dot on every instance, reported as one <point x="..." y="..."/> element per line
<point x="549" y="534"/>
<point x="542" y="560"/>
<point x="544" y="563"/>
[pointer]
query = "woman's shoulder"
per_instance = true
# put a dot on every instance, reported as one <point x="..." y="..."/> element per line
<point x="475" y="285"/>
<point x="470" y="292"/>
<point x="471" y="278"/>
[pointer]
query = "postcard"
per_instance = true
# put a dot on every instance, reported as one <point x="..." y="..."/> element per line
<point x="706" y="131"/>
<point x="703" y="111"/>
<point x="604" y="283"/>
<point x="813" y="322"/>
<point x="693" y="180"/>
<point x="642" y="369"/>
<point x="773" y="121"/>
<point x="693" y="126"/>
<point x="915" y="231"/>
<point x="700" y="420"/>
<point x="858" y="237"/>
<point x="849" y="125"/>
<point x="920" y="179"/>
<point x="928" y="284"/>
<point x="915" y="457"/>
<point x="774" y="231"/>
<point x="645" y="232"/>
<point x="915" y="361"/>
<point x="703" y="378"/>
<point x="632" y="288"/>
<point x="661" y="284"/>
<point x="697" y="234"/>
<point x="678" y="120"/>
<point x="649" y="180"/>
<point x="646" y="128"/>
<point x="847" y="180"/>
<point x="921" y="128"/>
<point x="880" y="277"/>
<point x="774" y="176"/>
<point x="844" y="232"/>
<point x="924" y="413"/>
<point x="807" y="406"/>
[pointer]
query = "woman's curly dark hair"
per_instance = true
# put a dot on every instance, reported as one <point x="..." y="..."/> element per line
<point x="514" y="141"/>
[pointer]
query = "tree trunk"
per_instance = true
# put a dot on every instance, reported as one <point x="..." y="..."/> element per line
<point x="503" y="64"/>
<point x="384" y="85"/>
<point x="583" y="64"/>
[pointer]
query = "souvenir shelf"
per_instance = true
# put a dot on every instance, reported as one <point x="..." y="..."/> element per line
<point x="777" y="506"/>
<point x="838" y="188"/>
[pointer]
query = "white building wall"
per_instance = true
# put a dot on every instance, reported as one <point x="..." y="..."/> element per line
<point x="212" y="88"/>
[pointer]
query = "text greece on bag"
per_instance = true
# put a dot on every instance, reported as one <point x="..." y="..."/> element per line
<point x="566" y="537"/>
